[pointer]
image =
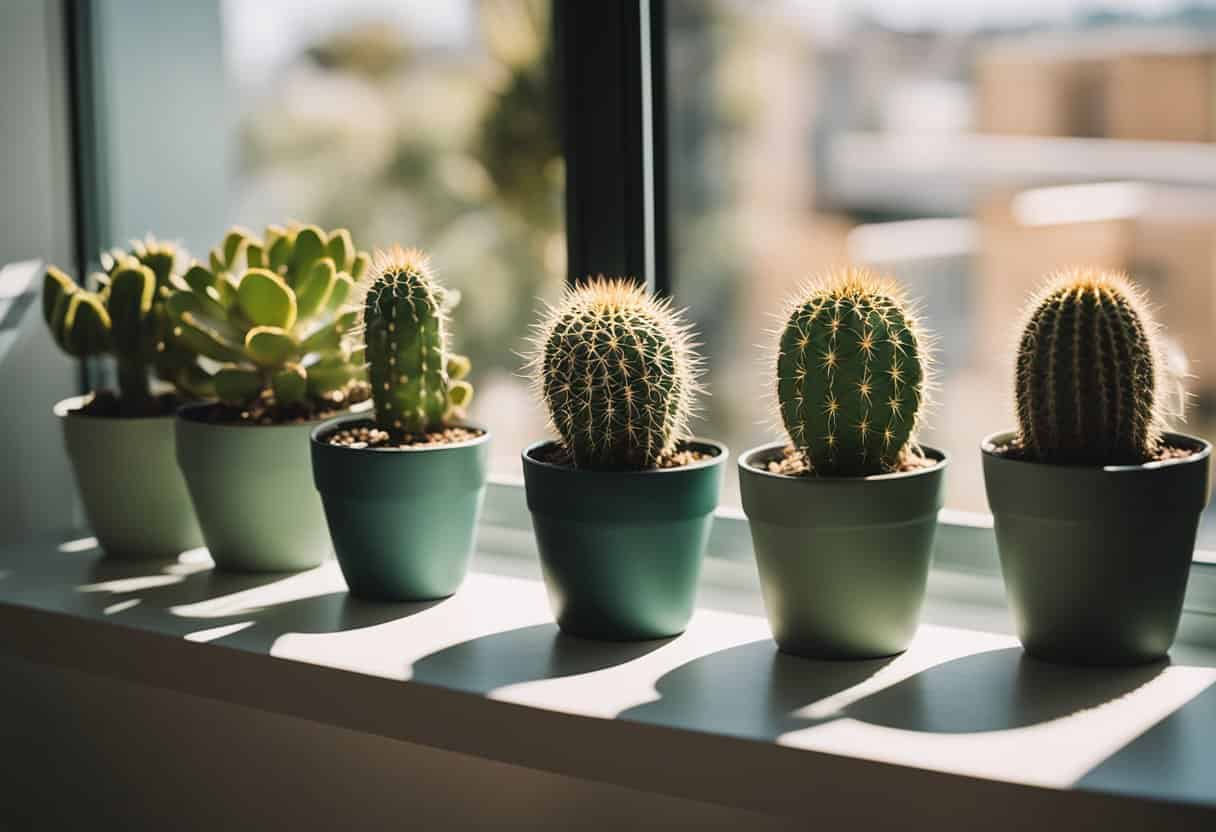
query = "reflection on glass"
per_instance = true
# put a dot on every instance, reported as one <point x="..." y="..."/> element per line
<point x="967" y="149"/>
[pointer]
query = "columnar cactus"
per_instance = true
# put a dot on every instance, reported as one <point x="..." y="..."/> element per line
<point x="1087" y="373"/>
<point x="125" y="318"/>
<point x="272" y="311"/>
<point x="416" y="382"/>
<point x="852" y="369"/>
<point x="618" y="375"/>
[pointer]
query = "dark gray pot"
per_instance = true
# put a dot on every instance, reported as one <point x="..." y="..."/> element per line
<point x="621" y="550"/>
<point x="402" y="520"/>
<point x="1096" y="559"/>
<point x="843" y="560"/>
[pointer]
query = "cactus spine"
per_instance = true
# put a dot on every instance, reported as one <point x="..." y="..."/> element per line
<point x="852" y="371"/>
<point x="1087" y="373"/>
<point x="415" y="382"/>
<point x="618" y="375"/>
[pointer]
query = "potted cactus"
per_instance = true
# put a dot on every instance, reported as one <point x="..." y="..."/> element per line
<point x="843" y="515"/>
<point x="271" y="311"/>
<point x="622" y="503"/>
<point x="402" y="491"/>
<point x="1096" y="507"/>
<point x="121" y="444"/>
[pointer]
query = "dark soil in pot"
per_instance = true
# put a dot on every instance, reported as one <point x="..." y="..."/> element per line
<point x="843" y="561"/>
<point x="402" y="511"/>
<point x="621" y="551"/>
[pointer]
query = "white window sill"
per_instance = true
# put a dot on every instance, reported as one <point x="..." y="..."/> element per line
<point x="715" y="715"/>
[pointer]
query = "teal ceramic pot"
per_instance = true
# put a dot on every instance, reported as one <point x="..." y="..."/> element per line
<point x="843" y="561"/>
<point x="402" y="520"/>
<point x="252" y="489"/>
<point x="1096" y="559"/>
<point x="621" y="550"/>
<point x="134" y="497"/>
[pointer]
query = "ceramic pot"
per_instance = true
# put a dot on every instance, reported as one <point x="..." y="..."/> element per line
<point x="621" y="551"/>
<point x="843" y="561"/>
<point x="402" y="520"/>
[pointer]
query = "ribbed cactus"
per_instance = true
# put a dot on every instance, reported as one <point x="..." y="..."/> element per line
<point x="125" y="318"/>
<point x="851" y="374"/>
<point x="273" y="311"/>
<point x="1087" y="373"/>
<point x="617" y="373"/>
<point x="416" y="383"/>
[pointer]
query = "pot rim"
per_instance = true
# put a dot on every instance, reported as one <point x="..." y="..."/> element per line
<point x="718" y="459"/>
<point x="1203" y="451"/>
<point x="66" y="409"/>
<point x="332" y="422"/>
<point x="181" y="416"/>
<point x="745" y="464"/>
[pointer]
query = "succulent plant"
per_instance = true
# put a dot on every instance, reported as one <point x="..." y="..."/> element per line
<point x="272" y="310"/>
<point x="416" y="383"/>
<point x="617" y="372"/>
<point x="852" y="369"/>
<point x="1087" y="373"/>
<point x="125" y="317"/>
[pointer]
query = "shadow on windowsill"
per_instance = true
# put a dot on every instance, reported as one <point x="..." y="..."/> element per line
<point x="525" y="654"/>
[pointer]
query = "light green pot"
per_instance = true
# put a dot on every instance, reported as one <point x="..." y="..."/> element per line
<point x="253" y="491"/>
<point x="134" y="497"/>
<point x="843" y="561"/>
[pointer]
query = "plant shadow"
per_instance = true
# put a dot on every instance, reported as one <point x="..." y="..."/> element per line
<point x="996" y="690"/>
<point x="525" y="654"/>
<point x="751" y="690"/>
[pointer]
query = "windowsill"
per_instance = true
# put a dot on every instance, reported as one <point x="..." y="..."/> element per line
<point x="715" y="715"/>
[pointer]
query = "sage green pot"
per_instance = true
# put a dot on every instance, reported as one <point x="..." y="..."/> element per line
<point x="843" y="561"/>
<point x="134" y="497"/>
<point x="621" y="550"/>
<point x="1096" y="559"/>
<point x="402" y="520"/>
<point x="253" y="492"/>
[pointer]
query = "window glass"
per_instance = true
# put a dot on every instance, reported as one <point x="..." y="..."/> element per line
<point x="968" y="149"/>
<point x="429" y="124"/>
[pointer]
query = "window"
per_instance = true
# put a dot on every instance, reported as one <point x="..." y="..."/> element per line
<point x="967" y="149"/>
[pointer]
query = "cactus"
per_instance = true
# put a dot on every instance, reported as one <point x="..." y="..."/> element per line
<point x="1087" y="373"/>
<point x="125" y="318"/>
<point x="272" y="311"/>
<point x="416" y="382"/>
<point x="618" y="375"/>
<point x="852" y="368"/>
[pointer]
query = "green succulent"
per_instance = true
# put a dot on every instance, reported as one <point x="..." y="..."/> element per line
<point x="125" y="317"/>
<point x="851" y="374"/>
<point x="1087" y="373"/>
<point x="618" y="375"/>
<point x="272" y="310"/>
<point x="416" y="382"/>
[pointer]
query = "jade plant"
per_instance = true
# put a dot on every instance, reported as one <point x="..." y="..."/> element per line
<point x="852" y="371"/>
<point x="618" y="375"/>
<point x="1087" y="373"/>
<point x="272" y="310"/>
<point x="417" y="384"/>
<point x="125" y="317"/>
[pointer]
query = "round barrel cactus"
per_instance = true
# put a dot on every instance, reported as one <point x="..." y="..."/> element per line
<point x="617" y="372"/>
<point x="851" y="374"/>
<point x="416" y="383"/>
<point x="1087" y="373"/>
